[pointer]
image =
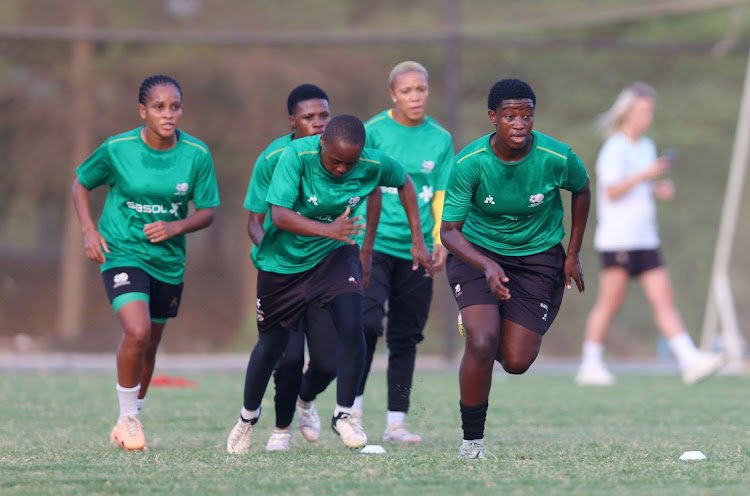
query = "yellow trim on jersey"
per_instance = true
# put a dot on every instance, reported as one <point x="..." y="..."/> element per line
<point x="550" y="151"/>
<point x="438" y="126"/>
<point x="376" y="120"/>
<point x="368" y="160"/>
<point x="274" y="153"/>
<point x="131" y="138"/>
<point x="472" y="153"/>
<point x="307" y="152"/>
<point x="197" y="146"/>
<point x="437" y="213"/>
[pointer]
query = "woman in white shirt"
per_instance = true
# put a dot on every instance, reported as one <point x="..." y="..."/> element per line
<point x="630" y="176"/>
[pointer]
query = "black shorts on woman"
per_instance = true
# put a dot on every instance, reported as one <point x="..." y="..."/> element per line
<point x="283" y="298"/>
<point x="163" y="298"/>
<point x="537" y="285"/>
<point x="635" y="262"/>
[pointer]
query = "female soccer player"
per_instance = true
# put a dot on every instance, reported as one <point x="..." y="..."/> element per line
<point x="309" y="114"/>
<point x="425" y="149"/>
<point x="630" y="176"/>
<point x="153" y="172"/>
<point x="308" y="255"/>
<point x="503" y="223"/>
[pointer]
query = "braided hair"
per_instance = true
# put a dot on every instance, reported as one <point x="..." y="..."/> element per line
<point x="148" y="84"/>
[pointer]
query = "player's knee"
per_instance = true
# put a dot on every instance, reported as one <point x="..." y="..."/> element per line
<point x="517" y="364"/>
<point x="137" y="335"/>
<point x="482" y="346"/>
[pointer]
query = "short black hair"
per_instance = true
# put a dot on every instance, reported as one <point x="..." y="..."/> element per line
<point x="304" y="92"/>
<point x="345" y="128"/>
<point x="156" y="80"/>
<point x="509" y="89"/>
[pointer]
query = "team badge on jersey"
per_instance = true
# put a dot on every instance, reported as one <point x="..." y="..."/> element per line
<point x="182" y="189"/>
<point x="121" y="279"/>
<point x="536" y="200"/>
<point x="428" y="166"/>
<point x="354" y="201"/>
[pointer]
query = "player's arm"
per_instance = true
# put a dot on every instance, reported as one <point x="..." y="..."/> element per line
<point x="374" y="204"/>
<point x="341" y="229"/>
<point x="580" y="203"/>
<point x="94" y="242"/>
<point x="419" y="252"/>
<point x="255" y="227"/>
<point x="161" y="230"/>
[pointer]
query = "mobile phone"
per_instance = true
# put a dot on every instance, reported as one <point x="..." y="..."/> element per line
<point x="670" y="154"/>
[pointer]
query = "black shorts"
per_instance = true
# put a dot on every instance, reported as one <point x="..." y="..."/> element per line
<point x="537" y="285"/>
<point x="126" y="284"/>
<point x="636" y="262"/>
<point x="283" y="298"/>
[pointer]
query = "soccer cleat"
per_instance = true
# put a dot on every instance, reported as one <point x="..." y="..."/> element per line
<point x="472" y="450"/>
<point x="704" y="365"/>
<point x="241" y="437"/>
<point x="309" y="422"/>
<point x="397" y="433"/>
<point x="128" y="434"/>
<point x="350" y="432"/>
<point x="280" y="439"/>
<point x="357" y="416"/>
<point x="594" y="374"/>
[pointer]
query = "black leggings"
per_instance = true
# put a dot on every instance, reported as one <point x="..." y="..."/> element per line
<point x="346" y="310"/>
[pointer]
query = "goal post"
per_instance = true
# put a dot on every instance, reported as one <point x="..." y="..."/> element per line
<point x="720" y="316"/>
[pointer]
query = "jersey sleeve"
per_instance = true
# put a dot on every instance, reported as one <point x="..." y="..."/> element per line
<point x="575" y="175"/>
<point x="206" y="191"/>
<point x="260" y="182"/>
<point x="286" y="178"/>
<point x="462" y="183"/>
<point x="610" y="164"/>
<point x="97" y="169"/>
<point x="391" y="172"/>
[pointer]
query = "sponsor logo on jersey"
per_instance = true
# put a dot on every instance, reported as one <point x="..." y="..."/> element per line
<point x="155" y="208"/>
<point x="389" y="189"/>
<point x="121" y="279"/>
<point x="426" y="194"/>
<point x="324" y="218"/>
<point x="182" y="189"/>
<point x="428" y="166"/>
<point x="536" y="200"/>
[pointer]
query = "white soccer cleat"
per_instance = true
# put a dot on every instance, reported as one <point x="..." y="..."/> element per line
<point x="351" y="433"/>
<point x="397" y="433"/>
<point x="704" y="365"/>
<point x="280" y="439"/>
<point x="240" y="438"/>
<point x="472" y="450"/>
<point x="594" y="374"/>
<point x="309" y="422"/>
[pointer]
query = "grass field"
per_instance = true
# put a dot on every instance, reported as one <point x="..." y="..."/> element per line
<point x="547" y="435"/>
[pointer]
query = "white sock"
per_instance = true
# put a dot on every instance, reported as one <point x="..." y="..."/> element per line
<point x="593" y="353"/>
<point x="128" y="400"/>
<point x="250" y="414"/>
<point x="342" y="409"/>
<point x="302" y="403"/>
<point x="683" y="348"/>
<point x="394" y="417"/>
<point x="358" y="402"/>
<point x="139" y="404"/>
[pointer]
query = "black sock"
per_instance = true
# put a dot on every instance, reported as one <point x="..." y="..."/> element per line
<point x="472" y="420"/>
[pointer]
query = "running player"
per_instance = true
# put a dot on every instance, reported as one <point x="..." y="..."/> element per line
<point x="503" y="224"/>
<point x="152" y="172"/>
<point x="425" y="149"/>
<point x="308" y="254"/>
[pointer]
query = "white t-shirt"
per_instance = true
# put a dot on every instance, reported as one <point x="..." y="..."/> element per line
<point x="629" y="222"/>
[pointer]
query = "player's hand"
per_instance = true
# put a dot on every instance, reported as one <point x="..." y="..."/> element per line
<point x="160" y="231"/>
<point x="496" y="280"/>
<point x="664" y="189"/>
<point x="420" y="255"/>
<point x="93" y="244"/>
<point x="657" y="169"/>
<point x="439" y="254"/>
<point x="574" y="270"/>
<point x="343" y="228"/>
<point x="365" y="256"/>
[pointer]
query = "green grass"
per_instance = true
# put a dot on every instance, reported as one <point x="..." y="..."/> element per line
<point x="548" y="436"/>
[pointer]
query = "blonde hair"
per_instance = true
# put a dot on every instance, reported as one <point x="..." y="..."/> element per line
<point x="610" y="121"/>
<point x="406" y="66"/>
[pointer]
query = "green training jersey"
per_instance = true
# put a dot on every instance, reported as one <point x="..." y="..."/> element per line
<point x="513" y="208"/>
<point x="302" y="184"/>
<point x="145" y="186"/>
<point x="426" y="153"/>
<point x="260" y="181"/>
